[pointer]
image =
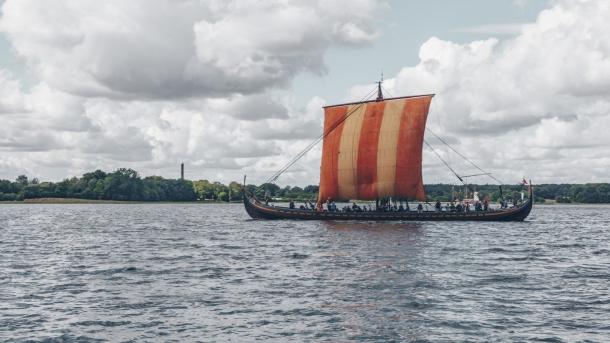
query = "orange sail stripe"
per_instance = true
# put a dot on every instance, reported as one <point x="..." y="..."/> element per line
<point x="329" y="183"/>
<point x="409" y="182"/>
<point x="367" y="150"/>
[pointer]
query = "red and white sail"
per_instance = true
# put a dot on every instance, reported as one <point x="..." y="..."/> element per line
<point x="374" y="149"/>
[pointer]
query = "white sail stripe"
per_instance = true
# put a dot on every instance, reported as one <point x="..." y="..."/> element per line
<point x="348" y="153"/>
<point x="387" y="148"/>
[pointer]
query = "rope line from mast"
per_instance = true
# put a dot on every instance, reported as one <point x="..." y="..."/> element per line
<point x="295" y="159"/>
<point x="464" y="157"/>
<point x="444" y="162"/>
<point x="387" y="91"/>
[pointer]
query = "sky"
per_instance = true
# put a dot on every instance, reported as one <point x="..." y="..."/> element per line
<point x="237" y="87"/>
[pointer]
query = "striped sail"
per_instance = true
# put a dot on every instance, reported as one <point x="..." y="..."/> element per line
<point x="374" y="149"/>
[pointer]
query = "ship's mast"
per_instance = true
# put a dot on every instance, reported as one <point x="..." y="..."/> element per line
<point x="379" y="98"/>
<point x="379" y="92"/>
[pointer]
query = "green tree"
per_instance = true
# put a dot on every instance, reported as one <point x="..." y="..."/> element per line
<point x="22" y="180"/>
<point x="123" y="184"/>
<point x="204" y="190"/>
<point x="236" y="190"/>
<point x="222" y="196"/>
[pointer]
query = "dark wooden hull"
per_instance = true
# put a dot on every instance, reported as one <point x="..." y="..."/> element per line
<point x="259" y="210"/>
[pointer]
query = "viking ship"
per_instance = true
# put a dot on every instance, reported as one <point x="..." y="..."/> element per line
<point x="372" y="150"/>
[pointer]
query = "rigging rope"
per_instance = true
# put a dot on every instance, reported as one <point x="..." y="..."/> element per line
<point x="295" y="159"/>
<point x="444" y="162"/>
<point x="464" y="157"/>
<point x="387" y="91"/>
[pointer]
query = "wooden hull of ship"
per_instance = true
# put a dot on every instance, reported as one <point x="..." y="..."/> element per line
<point x="258" y="210"/>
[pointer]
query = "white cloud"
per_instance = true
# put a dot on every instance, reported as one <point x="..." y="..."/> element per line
<point x="12" y="96"/>
<point x="59" y="133"/>
<point x="533" y="104"/>
<point x="171" y="49"/>
<point x="252" y="107"/>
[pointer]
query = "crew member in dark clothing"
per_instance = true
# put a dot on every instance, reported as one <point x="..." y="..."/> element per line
<point x="291" y="204"/>
<point x="437" y="206"/>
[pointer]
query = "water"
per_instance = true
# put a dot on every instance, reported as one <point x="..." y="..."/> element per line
<point x="175" y="272"/>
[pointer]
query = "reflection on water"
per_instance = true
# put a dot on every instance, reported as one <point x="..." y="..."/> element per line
<point x="188" y="272"/>
<point x="372" y="226"/>
<point x="381" y="255"/>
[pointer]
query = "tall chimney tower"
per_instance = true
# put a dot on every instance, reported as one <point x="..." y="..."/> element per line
<point x="182" y="171"/>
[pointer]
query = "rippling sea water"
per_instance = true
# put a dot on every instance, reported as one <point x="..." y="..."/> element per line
<point x="189" y="272"/>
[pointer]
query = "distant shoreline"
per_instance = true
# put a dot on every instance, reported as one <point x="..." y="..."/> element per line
<point x="92" y="201"/>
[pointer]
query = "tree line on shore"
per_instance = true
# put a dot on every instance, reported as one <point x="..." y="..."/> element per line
<point x="127" y="185"/>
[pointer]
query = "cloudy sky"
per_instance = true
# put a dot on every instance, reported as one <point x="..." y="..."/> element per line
<point x="233" y="87"/>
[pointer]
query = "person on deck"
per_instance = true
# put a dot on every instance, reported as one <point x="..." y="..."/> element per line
<point x="437" y="206"/>
<point x="420" y="208"/>
<point x="291" y="204"/>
